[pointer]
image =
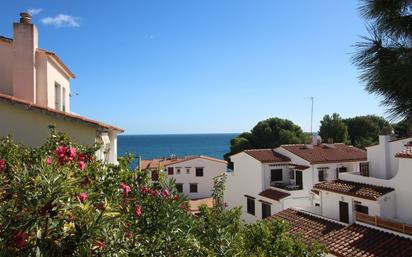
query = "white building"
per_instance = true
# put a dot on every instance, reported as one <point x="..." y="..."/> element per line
<point x="266" y="181"/>
<point x="35" y="93"/>
<point x="193" y="175"/>
<point x="382" y="188"/>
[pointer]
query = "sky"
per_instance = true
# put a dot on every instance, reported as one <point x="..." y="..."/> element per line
<point x="203" y="66"/>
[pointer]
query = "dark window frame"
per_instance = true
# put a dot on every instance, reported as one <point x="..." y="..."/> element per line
<point x="250" y="206"/>
<point x="170" y="171"/>
<point x="266" y="210"/>
<point x="179" y="187"/>
<point x="275" y="174"/>
<point x="199" y="172"/>
<point x="192" y="189"/>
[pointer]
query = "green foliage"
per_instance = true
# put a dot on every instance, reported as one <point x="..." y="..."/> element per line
<point x="333" y="127"/>
<point x="365" y="130"/>
<point x="403" y="128"/>
<point x="57" y="200"/>
<point x="269" y="133"/>
<point x="385" y="59"/>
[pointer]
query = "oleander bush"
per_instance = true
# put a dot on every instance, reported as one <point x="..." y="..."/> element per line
<point x="58" y="200"/>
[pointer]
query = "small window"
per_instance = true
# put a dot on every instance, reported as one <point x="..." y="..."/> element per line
<point x="64" y="100"/>
<point x="317" y="204"/>
<point x="57" y="96"/>
<point x="291" y="174"/>
<point x="361" y="208"/>
<point x="250" y="206"/>
<point x="364" y="169"/>
<point x="276" y="175"/>
<point x="199" y="172"/>
<point x="179" y="187"/>
<point x="155" y="175"/>
<point x="265" y="210"/>
<point x="177" y="170"/>
<point x="193" y="188"/>
<point x="187" y="170"/>
<point x="170" y="171"/>
<point x="322" y="175"/>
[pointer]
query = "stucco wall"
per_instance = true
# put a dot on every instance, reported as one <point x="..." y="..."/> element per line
<point x="31" y="127"/>
<point x="6" y="67"/>
<point x="54" y="74"/>
<point x="211" y="169"/>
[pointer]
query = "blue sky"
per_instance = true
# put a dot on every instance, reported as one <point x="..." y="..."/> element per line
<point x="204" y="66"/>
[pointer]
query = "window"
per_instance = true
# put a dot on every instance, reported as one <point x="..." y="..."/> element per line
<point x="265" y="210"/>
<point x="322" y="175"/>
<point x="170" y="171"/>
<point x="155" y="175"/>
<point x="187" y="170"/>
<point x="364" y="169"/>
<point x="57" y="96"/>
<point x="199" y="172"/>
<point x="317" y="204"/>
<point x="291" y="174"/>
<point x="276" y="175"/>
<point x="250" y="206"/>
<point x="361" y="208"/>
<point x="342" y="169"/>
<point x="193" y="188"/>
<point x="64" y="100"/>
<point x="177" y="170"/>
<point x="179" y="187"/>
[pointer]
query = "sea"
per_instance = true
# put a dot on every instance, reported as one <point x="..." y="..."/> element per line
<point x="158" y="146"/>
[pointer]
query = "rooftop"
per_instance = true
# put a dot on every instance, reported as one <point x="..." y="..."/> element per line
<point x="407" y="153"/>
<point x="361" y="190"/>
<point x="60" y="114"/>
<point x="325" y="153"/>
<point x="163" y="162"/>
<point x="274" y="194"/>
<point x="340" y="240"/>
<point x="267" y="155"/>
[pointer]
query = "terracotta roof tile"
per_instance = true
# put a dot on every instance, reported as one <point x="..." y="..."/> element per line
<point x="407" y="153"/>
<point x="340" y="240"/>
<point x="267" y="155"/>
<point x="50" y="111"/>
<point x="356" y="189"/>
<point x="326" y="154"/>
<point x="274" y="194"/>
<point x="163" y="162"/>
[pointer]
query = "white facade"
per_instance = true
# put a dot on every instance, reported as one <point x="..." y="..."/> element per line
<point x="35" y="93"/>
<point x="194" y="175"/>
<point x="250" y="177"/>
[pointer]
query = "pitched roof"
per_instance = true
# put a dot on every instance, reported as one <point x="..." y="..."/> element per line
<point x="267" y="155"/>
<point x="407" y="153"/>
<point x="163" y="162"/>
<point x="60" y="114"/>
<point x="309" y="226"/>
<point x="327" y="154"/>
<point x="361" y="190"/>
<point x="194" y="204"/>
<point x="274" y="194"/>
<point x="340" y="240"/>
<point x="6" y="39"/>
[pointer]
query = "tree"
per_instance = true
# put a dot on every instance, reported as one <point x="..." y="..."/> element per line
<point x="403" y="129"/>
<point x="333" y="127"/>
<point x="385" y="59"/>
<point x="365" y="130"/>
<point x="269" y="133"/>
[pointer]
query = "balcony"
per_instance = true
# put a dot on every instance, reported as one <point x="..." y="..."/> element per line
<point x="285" y="186"/>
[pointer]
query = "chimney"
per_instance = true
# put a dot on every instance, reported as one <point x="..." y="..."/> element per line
<point x="25" y="43"/>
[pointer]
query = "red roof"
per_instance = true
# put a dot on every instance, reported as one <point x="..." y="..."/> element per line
<point x="274" y="194"/>
<point x="340" y="240"/>
<point x="267" y="155"/>
<point x="163" y="162"/>
<point x="407" y="153"/>
<point x="356" y="189"/>
<point x="327" y="154"/>
<point x="50" y="111"/>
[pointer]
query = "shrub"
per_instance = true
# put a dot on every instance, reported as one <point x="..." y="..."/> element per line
<point x="57" y="200"/>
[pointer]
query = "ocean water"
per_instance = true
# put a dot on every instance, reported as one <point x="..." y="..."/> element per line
<point x="157" y="146"/>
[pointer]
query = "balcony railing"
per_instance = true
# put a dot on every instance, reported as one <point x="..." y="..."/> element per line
<point x="384" y="223"/>
<point x="286" y="186"/>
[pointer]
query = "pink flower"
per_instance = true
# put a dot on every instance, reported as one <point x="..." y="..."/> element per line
<point x="61" y="151"/>
<point x="20" y="239"/>
<point x="72" y="152"/>
<point x="126" y="189"/>
<point x="2" y="164"/>
<point x="81" y="157"/>
<point x="100" y="245"/>
<point x="166" y="193"/>
<point x="138" y="210"/>
<point x="82" y="197"/>
<point x="82" y="165"/>
<point x="129" y="235"/>
<point x="49" y="161"/>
